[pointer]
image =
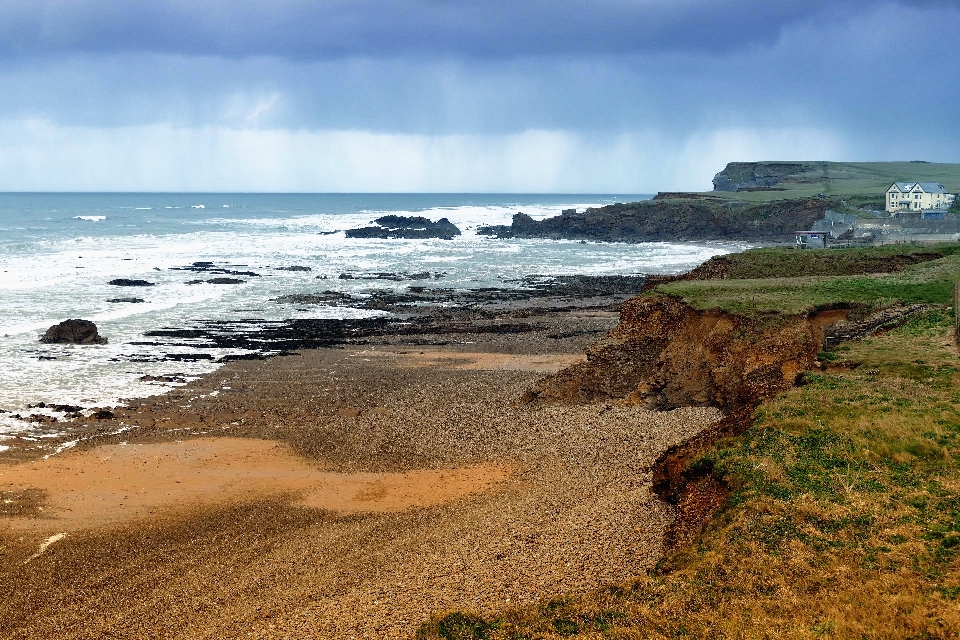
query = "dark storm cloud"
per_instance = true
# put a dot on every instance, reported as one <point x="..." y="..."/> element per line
<point x="840" y="74"/>
<point x="304" y="30"/>
<point x="489" y="95"/>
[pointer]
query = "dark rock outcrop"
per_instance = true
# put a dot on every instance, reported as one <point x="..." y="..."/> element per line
<point x="64" y="408"/>
<point x="217" y="281"/>
<point x="226" y="281"/>
<point x="130" y="300"/>
<point x="127" y="282"/>
<point x="209" y="267"/>
<point x="324" y="297"/>
<point x="389" y="275"/>
<point x="171" y="378"/>
<point x="666" y="220"/>
<point x="407" y="227"/>
<point x="74" y="331"/>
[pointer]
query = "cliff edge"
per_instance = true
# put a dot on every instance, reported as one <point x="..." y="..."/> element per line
<point x="765" y="176"/>
<point x="666" y="354"/>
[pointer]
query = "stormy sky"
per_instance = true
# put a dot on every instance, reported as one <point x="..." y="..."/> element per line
<point x="630" y="96"/>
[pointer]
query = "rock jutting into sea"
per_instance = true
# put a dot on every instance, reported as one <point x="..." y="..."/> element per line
<point x="670" y="219"/>
<point x="74" y="331"/>
<point x="127" y="282"/>
<point x="130" y="300"/>
<point x="407" y="228"/>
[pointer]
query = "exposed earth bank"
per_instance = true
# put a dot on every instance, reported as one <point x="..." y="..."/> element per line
<point x="665" y="354"/>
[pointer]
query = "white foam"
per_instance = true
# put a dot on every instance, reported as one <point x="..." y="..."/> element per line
<point x="198" y="206"/>
<point x="90" y="218"/>
<point x="63" y="447"/>
<point x="49" y="281"/>
<point x="45" y="545"/>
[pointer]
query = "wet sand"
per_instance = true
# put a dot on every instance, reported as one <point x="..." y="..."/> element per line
<point x="118" y="483"/>
<point x="337" y="493"/>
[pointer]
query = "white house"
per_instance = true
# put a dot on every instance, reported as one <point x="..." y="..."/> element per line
<point x="917" y="196"/>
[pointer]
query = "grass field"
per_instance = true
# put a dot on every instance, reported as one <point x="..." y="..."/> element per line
<point x="930" y="282"/>
<point x="787" y="262"/>
<point x="844" y="516"/>
<point x="859" y="182"/>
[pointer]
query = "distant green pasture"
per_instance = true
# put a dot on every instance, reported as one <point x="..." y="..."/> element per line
<point x="848" y="179"/>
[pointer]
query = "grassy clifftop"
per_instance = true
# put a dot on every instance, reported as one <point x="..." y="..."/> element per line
<point x="763" y="181"/>
<point x="834" y="279"/>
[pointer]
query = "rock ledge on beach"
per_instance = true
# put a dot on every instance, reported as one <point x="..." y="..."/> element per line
<point x="73" y="331"/>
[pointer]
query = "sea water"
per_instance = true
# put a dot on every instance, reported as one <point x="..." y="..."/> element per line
<point x="58" y="252"/>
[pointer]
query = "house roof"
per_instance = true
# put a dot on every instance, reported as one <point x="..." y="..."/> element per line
<point x="928" y="187"/>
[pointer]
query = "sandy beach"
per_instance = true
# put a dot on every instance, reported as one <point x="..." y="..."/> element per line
<point x="337" y="493"/>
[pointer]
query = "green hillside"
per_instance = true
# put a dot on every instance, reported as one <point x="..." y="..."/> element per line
<point x="860" y="181"/>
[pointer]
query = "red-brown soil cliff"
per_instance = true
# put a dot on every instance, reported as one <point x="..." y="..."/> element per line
<point x="666" y="354"/>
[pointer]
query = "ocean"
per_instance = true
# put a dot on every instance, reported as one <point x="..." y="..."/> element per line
<point x="59" y="251"/>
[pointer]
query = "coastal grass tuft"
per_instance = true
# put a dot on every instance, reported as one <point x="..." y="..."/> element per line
<point x="843" y="520"/>
<point x="459" y="625"/>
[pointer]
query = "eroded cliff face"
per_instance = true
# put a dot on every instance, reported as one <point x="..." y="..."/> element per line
<point x="738" y="176"/>
<point x="666" y="354"/>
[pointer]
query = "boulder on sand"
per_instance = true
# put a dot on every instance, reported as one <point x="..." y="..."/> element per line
<point x="73" y="331"/>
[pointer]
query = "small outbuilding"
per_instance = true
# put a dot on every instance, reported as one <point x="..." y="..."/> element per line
<point x="811" y="239"/>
